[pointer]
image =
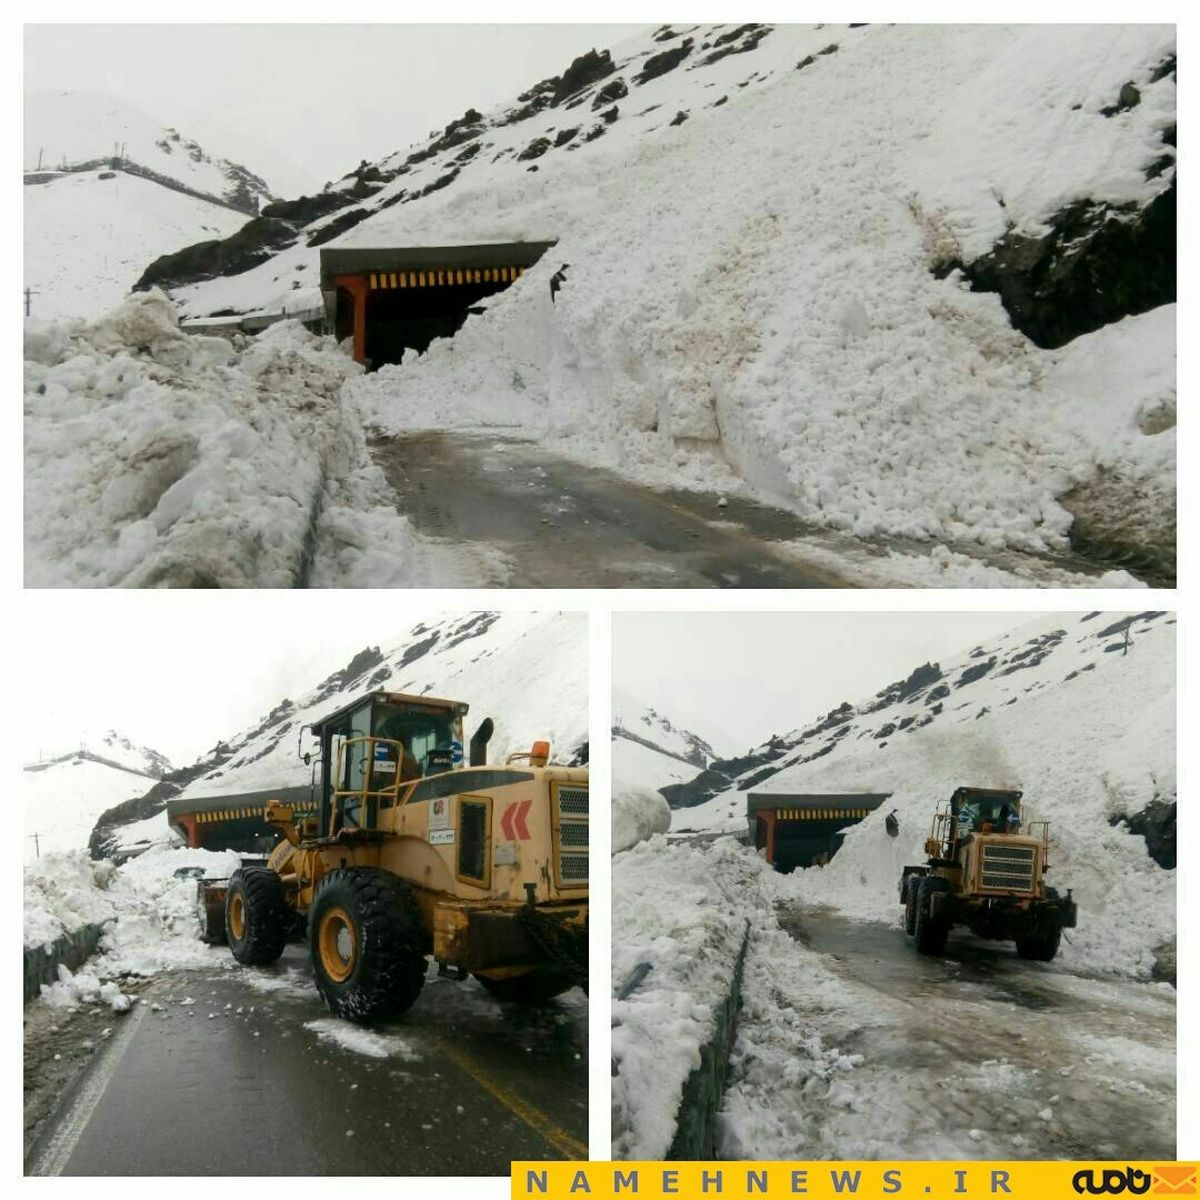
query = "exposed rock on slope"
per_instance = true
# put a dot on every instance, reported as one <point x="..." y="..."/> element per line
<point x="527" y="671"/>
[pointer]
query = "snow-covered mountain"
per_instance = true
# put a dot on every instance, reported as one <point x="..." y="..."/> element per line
<point x="837" y="265"/>
<point x="1063" y="708"/>
<point x="649" y="752"/>
<point x="527" y="671"/>
<point x="71" y="131"/>
<point x="65" y="790"/>
<point x="641" y="725"/>
<point x="109" y="189"/>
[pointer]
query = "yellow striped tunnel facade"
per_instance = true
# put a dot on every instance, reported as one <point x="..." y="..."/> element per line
<point x="819" y="814"/>
<point x="449" y="277"/>
<point x="233" y="814"/>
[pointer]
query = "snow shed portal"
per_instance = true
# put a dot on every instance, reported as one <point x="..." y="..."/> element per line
<point x="798" y="830"/>
<point x="393" y="299"/>
<point x="233" y="822"/>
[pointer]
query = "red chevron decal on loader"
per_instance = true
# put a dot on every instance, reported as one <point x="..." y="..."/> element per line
<point x="512" y="821"/>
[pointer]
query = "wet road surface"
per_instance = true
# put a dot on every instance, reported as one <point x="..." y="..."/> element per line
<point x="1042" y="1063"/>
<point x="562" y="524"/>
<point x="240" y="1082"/>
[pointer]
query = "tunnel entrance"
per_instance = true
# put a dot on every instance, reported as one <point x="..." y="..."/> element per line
<point x="804" y="830"/>
<point x="398" y="299"/>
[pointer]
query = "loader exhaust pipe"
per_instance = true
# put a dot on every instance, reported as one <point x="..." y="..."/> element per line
<point x="479" y="742"/>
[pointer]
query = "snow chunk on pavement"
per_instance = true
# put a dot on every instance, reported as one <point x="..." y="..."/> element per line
<point x="362" y="1041"/>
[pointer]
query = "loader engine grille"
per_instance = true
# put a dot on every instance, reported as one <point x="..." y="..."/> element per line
<point x="571" y="834"/>
<point x="1008" y="868"/>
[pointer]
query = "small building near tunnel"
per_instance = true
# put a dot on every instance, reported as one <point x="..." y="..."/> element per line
<point x="799" y="830"/>
<point x="234" y="822"/>
<point x="397" y="298"/>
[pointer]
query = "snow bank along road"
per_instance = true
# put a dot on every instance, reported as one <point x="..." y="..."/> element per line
<point x="245" y="1073"/>
<point x="979" y="1054"/>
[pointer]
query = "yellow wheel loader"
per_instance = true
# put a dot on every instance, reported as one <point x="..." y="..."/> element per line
<point x="986" y="869"/>
<point x="417" y="851"/>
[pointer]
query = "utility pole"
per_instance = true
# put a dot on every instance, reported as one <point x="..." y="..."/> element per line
<point x="37" y="845"/>
<point x="29" y="294"/>
<point x="41" y="151"/>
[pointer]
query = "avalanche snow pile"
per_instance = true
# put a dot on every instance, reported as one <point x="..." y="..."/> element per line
<point x="684" y="911"/>
<point x="154" y="458"/>
<point x="770" y="233"/>
<point x="648" y="752"/>
<point x="528" y="671"/>
<point x="147" y="908"/>
<point x="1063" y="709"/>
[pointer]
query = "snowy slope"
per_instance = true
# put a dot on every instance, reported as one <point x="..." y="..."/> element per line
<point x="752" y="234"/>
<point x="636" y="720"/>
<point x="66" y="791"/>
<point x="1059" y="709"/>
<point x="65" y="130"/>
<point x="648" y="752"/>
<point x="63" y="800"/>
<point x="527" y="671"/>
<point x="88" y="238"/>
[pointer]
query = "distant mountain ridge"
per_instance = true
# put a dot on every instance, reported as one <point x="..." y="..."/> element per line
<point x="69" y="132"/>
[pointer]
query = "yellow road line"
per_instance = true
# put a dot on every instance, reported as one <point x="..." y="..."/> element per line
<point x="559" y="1138"/>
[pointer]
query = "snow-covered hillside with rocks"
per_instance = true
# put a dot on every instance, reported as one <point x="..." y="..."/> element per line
<point x="1060" y="709"/>
<point x="773" y="236"/>
<point x="648" y="752"/>
<point x="527" y="671"/>
<point x="848" y="1042"/>
<point x="109" y="189"/>
<point x="64" y="792"/>
<point x="67" y="131"/>
<point x="89" y="235"/>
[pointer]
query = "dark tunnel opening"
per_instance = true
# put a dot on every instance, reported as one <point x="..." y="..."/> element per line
<point x="410" y="318"/>
<point x="803" y="843"/>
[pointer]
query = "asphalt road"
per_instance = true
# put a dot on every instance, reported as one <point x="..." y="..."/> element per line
<point x="561" y="524"/>
<point x="241" y="1082"/>
<point x="1081" y="1067"/>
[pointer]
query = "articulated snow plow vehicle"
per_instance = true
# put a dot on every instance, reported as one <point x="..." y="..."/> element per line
<point x="986" y="870"/>
<point x="415" y="853"/>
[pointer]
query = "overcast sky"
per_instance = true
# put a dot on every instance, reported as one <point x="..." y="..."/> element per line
<point x="179" y="671"/>
<point x="318" y="97"/>
<point x="737" y="678"/>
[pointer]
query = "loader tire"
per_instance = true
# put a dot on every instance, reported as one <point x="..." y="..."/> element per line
<point x="366" y="941"/>
<point x="530" y="990"/>
<point x="910" y="905"/>
<point x="930" y="933"/>
<point x="256" y="916"/>
<point x="1040" y="947"/>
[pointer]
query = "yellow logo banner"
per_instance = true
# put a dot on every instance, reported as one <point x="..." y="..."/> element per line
<point x="863" y="1180"/>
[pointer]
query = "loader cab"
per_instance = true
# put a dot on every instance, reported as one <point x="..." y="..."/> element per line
<point x="985" y="810"/>
<point x="373" y="749"/>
